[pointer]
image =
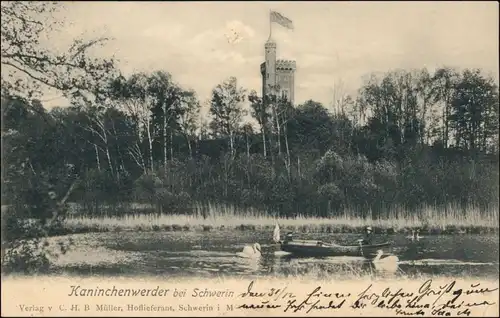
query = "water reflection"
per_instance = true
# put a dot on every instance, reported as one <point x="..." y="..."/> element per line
<point x="215" y="254"/>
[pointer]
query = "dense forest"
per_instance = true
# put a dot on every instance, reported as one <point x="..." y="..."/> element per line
<point x="408" y="138"/>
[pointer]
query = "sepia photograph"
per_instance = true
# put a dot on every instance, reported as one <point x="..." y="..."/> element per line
<point x="255" y="158"/>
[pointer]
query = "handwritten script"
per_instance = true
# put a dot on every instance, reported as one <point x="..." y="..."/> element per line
<point x="430" y="298"/>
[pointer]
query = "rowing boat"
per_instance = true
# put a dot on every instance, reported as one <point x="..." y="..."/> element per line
<point x="315" y="248"/>
<point x="312" y="248"/>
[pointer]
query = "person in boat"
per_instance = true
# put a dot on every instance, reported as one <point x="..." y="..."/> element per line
<point x="368" y="236"/>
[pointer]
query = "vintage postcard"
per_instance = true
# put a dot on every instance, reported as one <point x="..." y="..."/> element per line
<point x="255" y="158"/>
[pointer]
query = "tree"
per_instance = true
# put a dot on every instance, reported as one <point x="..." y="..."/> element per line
<point x="165" y="97"/>
<point x="311" y="127"/>
<point x="132" y="96"/>
<point x="189" y="113"/>
<point x="474" y="112"/>
<point x="260" y="113"/>
<point x="397" y="114"/>
<point x="28" y="69"/>
<point x="284" y="112"/>
<point x="248" y="132"/>
<point x="426" y="112"/>
<point x="226" y="109"/>
<point x="444" y="83"/>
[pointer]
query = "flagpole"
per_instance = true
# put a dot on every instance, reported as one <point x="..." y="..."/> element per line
<point x="270" y="25"/>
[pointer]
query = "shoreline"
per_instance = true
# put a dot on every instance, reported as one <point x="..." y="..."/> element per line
<point x="99" y="225"/>
<point x="215" y="217"/>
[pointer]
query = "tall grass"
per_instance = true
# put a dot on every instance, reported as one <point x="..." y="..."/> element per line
<point x="212" y="216"/>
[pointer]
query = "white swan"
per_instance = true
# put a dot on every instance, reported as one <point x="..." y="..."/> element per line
<point x="415" y="235"/>
<point x="412" y="236"/>
<point x="252" y="251"/>
<point x="386" y="264"/>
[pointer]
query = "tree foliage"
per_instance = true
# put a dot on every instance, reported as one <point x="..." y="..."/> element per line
<point x="40" y="175"/>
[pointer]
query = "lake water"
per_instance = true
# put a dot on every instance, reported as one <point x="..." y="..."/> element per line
<point x="206" y="254"/>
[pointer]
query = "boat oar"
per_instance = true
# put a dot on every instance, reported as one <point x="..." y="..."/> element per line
<point x="361" y="247"/>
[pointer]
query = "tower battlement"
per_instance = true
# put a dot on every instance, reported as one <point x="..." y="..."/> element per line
<point x="288" y="65"/>
<point x="270" y="44"/>
<point x="278" y="76"/>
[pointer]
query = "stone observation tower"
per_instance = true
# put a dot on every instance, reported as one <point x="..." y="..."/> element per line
<point x="278" y="76"/>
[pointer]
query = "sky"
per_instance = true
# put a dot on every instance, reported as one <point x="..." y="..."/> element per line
<point x="332" y="42"/>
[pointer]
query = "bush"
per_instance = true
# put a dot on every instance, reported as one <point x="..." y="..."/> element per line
<point x="39" y="212"/>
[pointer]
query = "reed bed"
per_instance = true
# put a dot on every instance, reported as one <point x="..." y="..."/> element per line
<point x="429" y="220"/>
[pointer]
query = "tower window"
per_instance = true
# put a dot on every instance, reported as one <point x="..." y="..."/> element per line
<point x="268" y="75"/>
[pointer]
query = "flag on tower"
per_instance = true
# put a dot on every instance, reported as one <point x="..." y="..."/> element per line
<point x="281" y="20"/>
